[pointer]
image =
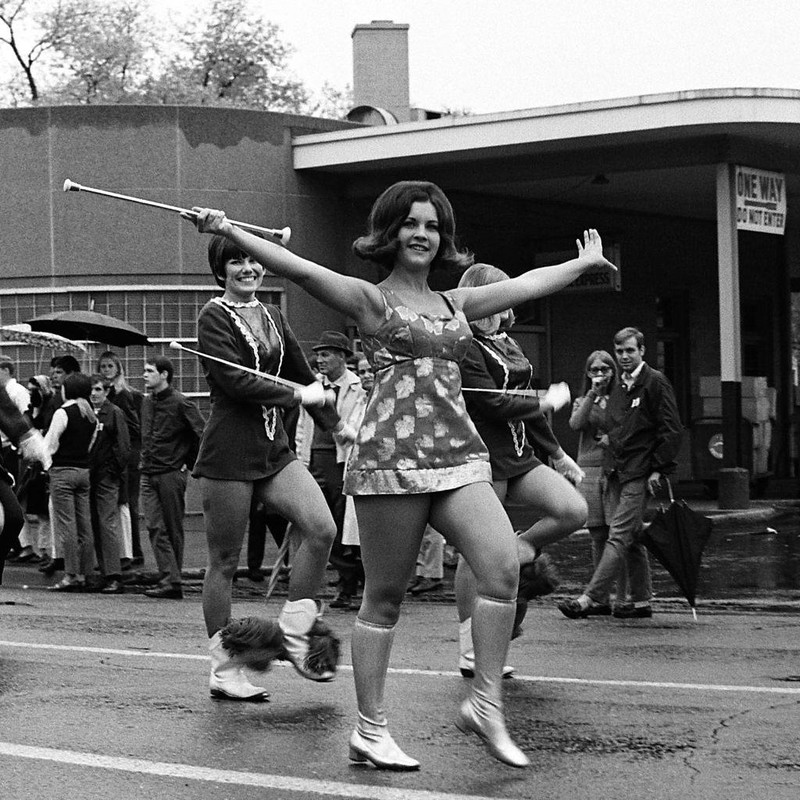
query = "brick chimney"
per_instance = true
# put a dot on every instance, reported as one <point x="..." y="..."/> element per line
<point x="380" y="67"/>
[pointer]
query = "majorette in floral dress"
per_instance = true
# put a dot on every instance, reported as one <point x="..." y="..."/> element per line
<point x="416" y="436"/>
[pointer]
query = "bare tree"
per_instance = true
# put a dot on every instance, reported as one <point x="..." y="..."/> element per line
<point x="112" y="51"/>
<point x="31" y="34"/>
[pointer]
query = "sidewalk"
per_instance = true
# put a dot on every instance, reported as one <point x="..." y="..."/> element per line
<point x="752" y="560"/>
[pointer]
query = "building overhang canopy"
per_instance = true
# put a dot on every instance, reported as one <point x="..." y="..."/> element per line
<point x="657" y="151"/>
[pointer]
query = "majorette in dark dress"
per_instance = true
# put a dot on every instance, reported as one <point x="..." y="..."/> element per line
<point x="506" y="423"/>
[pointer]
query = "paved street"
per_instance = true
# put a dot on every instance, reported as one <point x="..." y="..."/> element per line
<point x="107" y="697"/>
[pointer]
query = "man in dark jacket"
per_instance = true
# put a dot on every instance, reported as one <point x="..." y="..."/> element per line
<point x="171" y="430"/>
<point x="107" y="461"/>
<point x="643" y="439"/>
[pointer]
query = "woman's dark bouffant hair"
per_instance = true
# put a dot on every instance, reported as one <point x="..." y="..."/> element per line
<point x="390" y="211"/>
<point x="76" y="385"/>
<point x="220" y="251"/>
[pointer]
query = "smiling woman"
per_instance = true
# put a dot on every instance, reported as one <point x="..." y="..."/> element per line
<point x="245" y="457"/>
<point x="417" y="457"/>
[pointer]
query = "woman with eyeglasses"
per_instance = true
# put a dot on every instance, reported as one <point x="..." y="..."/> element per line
<point x="588" y="418"/>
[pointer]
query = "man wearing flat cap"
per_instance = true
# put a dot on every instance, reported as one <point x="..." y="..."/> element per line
<point x="329" y="451"/>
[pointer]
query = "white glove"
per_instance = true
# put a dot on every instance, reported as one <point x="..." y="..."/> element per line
<point x="315" y="395"/>
<point x="557" y="395"/>
<point x="32" y="447"/>
<point x="569" y="469"/>
<point x="346" y="434"/>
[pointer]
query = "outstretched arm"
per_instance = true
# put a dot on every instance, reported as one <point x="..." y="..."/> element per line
<point x="482" y="301"/>
<point x="352" y="296"/>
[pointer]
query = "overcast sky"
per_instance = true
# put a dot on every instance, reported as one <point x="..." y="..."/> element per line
<point x="511" y="54"/>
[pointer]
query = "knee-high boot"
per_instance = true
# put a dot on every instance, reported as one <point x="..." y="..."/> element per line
<point x="371" y="741"/>
<point x="482" y="711"/>
<point x="466" y="652"/>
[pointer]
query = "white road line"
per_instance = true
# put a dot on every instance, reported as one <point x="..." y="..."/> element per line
<point x="223" y="776"/>
<point x="702" y="687"/>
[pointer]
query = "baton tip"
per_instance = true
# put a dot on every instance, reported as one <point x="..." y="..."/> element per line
<point x="175" y="345"/>
<point x="69" y="186"/>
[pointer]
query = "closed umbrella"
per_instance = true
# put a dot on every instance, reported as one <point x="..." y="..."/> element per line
<point x="90" y="325"/>
<point x="676" y="537"/>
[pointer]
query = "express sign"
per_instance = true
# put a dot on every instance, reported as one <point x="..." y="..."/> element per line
<point x="760" y="200"/>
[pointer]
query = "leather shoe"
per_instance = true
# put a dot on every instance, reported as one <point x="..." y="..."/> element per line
<point x="633" y="612"/>
<point x="165" y="593"/>
<point x="113" y="587"/>
<point x="574" y="610"/>
<point x="25" y="557"/>
<point x="52" y="566"/>
<point x="342" y="600"/>
<point x="427" y="585"/>
<point x="68" y="584"/>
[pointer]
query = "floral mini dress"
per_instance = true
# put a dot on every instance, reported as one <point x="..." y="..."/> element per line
<point x="416" y="436"/>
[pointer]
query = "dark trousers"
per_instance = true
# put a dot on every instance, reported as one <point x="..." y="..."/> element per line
<point x="346" y="559"/>
<point x="134" y="477"/>
<point x="262" y="521"/>
<point x="13" y="521"/>
<point x="104" y="502"/>
<point x="164" y="501"/>
<point x="11" y="461"/>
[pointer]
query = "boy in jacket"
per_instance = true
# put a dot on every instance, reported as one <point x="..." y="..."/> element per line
<point x="107" y="461"/>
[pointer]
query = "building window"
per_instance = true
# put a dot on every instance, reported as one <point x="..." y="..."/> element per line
<point x="163" y="315"/>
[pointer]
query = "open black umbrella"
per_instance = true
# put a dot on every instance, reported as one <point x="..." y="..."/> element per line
<point x="677" y="537"/>
<point x="91" y="326"/>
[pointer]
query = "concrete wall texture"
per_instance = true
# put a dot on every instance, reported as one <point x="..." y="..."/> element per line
<point x="236" y="160"/>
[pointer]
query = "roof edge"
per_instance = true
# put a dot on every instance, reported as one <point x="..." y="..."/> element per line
<point x="632" y="101"/>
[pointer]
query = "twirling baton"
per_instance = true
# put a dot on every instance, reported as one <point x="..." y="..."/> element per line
<point x="70" y="186"/>
<point x="517" y="392"/>
<point x="257" y="373"/>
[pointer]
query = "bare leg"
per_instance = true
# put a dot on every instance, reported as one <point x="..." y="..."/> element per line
<point x="464" y="584"/>
<point x="296" y="496"/>
<point x="561" y="507"/>
<point x="226" y="506"/>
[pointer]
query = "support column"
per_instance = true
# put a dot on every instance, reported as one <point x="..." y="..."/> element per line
<point x="734" y="487"/>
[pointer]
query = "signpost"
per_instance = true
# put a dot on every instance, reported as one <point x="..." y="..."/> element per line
<point x="760" y="200"/>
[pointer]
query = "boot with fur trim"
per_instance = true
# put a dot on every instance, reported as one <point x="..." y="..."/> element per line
<point x="310" y="645"/>
<point x="228" y="681"/>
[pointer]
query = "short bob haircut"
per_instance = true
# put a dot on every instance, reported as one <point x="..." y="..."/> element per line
<point x="608" y="360"/>
<point x="77" y="385"/>
<point x="484" y="275"/>
<point x="388" y="213"/>
<point x="220" y="251"/>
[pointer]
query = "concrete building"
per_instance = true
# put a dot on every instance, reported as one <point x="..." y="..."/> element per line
<point x="655" y="174"/>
